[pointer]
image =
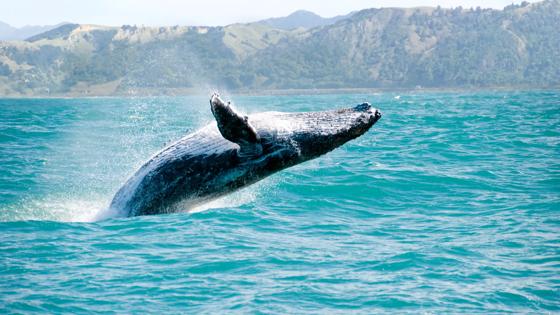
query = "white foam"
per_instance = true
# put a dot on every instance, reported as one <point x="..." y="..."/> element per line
<point x="63" y="208"/>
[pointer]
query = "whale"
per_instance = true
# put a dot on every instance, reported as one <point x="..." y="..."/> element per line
<point x="235" y="151"/>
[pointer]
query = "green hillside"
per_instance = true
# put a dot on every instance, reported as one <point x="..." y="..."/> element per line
<point x="518" y="46"/>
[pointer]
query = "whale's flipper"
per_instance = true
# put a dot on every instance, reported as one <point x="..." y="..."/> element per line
<point x="236" y="128"/>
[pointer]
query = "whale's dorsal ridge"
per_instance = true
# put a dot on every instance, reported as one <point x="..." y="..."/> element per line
<point x="235" y="127"/>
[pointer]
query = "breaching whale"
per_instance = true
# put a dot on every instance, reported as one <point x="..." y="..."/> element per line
<point x="234" y="152"/>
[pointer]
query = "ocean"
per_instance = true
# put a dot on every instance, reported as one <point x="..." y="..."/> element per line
<point x="449" y="204"/>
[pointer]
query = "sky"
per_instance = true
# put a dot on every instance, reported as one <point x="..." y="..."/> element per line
<point x="201" y="12"/>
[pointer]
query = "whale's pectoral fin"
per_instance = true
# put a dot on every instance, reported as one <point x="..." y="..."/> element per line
<point x="235" y="127"/>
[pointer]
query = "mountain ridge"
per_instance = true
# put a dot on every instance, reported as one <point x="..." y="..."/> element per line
<point x="303" y="19"/>
<point x="374" y="48"/>
<point x="8" y="32"/>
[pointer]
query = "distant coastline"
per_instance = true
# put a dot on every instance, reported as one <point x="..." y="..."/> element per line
<point x="279" y="92"/>
<point x="382" y="49"/>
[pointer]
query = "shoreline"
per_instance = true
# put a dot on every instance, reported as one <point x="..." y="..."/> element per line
<point x="280" y="92"/>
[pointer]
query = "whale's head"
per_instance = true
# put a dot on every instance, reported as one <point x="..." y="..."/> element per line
<point x="285" y="139"/>
<point x="313" y="134"/>
<point x="328" y="130"/>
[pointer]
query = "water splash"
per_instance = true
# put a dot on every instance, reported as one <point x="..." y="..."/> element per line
<point x="60" y="208"/>
<point x="94" y="207"/>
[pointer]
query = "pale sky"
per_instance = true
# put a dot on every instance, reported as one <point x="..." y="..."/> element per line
<point x="201" y="12"/>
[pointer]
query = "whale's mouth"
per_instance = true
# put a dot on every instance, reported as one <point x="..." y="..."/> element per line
<point x="375" y="114"/>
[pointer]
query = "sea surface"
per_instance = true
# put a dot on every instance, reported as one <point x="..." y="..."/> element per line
<point x="449" y="204"/>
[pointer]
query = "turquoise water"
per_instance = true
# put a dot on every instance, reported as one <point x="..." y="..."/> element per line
<point x="450" y="204"/>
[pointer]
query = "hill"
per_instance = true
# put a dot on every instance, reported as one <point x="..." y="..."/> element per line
<point x="518" y="46"/>
<point x="8" y="32"/>
<point x="303" y="19"/>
